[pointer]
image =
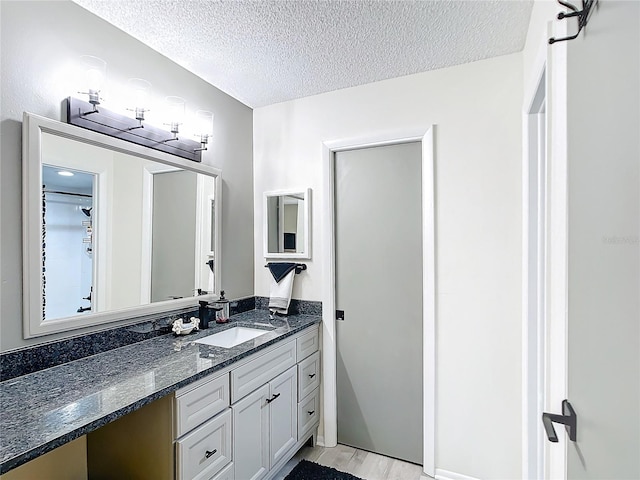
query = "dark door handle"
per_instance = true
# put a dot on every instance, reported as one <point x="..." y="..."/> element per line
<point x="269" y="400"/>
<point x="311" y="375"/>
<point x="311" y="412"/>
<point x="568" y="418"/>
<point x="208" y="454"/>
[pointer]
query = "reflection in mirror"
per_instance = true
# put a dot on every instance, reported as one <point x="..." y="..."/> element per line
<point x="67" y="253"/>
<point x="286" y="224"/>
<point x="111" y="230"/>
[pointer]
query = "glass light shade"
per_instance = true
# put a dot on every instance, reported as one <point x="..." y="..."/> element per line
<point x="138" y="93"/>
<point x="204" y="123"/>
<point x="138" y="96"/>
<point x="174" y="112"/>
<point x="95" y="71"/>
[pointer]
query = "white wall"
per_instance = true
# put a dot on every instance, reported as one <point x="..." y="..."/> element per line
<point x="39" y="42"/>
<point x="477" y="112"/>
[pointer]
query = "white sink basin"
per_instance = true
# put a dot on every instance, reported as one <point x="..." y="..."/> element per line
<point x="232" y="337"/>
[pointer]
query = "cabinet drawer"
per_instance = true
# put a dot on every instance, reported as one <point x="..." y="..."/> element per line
<point x="246" y="378"/>
<point x="308" y="375"/>
<point x="308" y="414"/>
<point x="202" y="403"/>
<point x="203" y="453"/>
<point x="308" y="343"/>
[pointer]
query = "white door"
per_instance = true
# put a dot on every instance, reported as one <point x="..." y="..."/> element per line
<point x="603" y="214"/>
<point x="378" y="244"/>
<point x="604" y="263"/>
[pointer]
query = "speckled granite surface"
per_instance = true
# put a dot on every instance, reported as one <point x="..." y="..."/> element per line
<point x="304" y="307"/>
<point x="45" y="409"/>
<point x="32" y="359"/>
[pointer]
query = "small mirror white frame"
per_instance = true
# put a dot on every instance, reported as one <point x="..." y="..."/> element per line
<point x="274" y="241"/>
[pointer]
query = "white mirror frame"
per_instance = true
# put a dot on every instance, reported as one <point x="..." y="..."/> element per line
<point x="32" y="129"/>
<point x="306" y="254"/>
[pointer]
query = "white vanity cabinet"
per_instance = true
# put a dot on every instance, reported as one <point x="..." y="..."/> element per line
<point x="243" y="422"/>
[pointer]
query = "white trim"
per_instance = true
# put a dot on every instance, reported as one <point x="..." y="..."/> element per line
<point x="147" y="244"/>
<point x="33" y="128"/>
<point x="533" y="365"/>
<point x="557" y="335"/>
<point x="148" y="171"/>
<point x="426" y="136"/>
<point x="447" y="475"/>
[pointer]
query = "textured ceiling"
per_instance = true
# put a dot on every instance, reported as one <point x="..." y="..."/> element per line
<point x="269" y="51"/>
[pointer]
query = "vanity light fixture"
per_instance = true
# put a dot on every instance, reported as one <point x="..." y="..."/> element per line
<point x="126" y="128"/>
<point x="139" y="92"/>
<point x="95" y="71"/>
<point x="65" y="173"/>
<point x="204" y="128"/>
<point x="85" y="114"/>
<point x="174" y="111"/>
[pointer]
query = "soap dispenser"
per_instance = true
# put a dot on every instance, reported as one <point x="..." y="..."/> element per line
<point x="221" y="307"/>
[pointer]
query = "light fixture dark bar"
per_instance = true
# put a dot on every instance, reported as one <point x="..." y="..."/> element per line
<point x="120" y="126"/>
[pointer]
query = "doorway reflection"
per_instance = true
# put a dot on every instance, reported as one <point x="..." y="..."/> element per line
<point x="67" y="241"/>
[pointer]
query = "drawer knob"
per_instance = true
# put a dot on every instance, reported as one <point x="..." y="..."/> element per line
<point x="269" y="400"/>
<point x="209" y="453"/>
<point x="311" y="412"/>
<point x="311" y="375"/>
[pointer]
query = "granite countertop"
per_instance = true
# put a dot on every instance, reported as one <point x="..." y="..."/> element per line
<point x="43" y="410"/>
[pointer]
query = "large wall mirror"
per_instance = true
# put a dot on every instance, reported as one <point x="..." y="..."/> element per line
<point x="286" y="224"/>
<point x="112" y="230"/>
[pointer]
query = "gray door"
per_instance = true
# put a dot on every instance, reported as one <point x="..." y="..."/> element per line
<point x="604" y="249"/>
<point x="379" y="286"/>
<point x="173" y="248"/>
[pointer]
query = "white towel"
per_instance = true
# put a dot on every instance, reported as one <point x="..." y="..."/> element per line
<point x="280" y="293"/>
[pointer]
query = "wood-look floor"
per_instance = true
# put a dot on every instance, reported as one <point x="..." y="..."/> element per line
<point x="366" y="465"/>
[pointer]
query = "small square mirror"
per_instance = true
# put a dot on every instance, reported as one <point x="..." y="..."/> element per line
<point x="286" y="224"/>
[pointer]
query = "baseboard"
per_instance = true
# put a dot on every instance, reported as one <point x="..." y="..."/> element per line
<point x="447" y="475"/>
<point x="320" y="440"/>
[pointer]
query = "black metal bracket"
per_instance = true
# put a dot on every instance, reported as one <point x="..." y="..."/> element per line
<point x="80" y="114"/>
<point x="583" y="17"/>
<point x="568" y="418"/>
<point x="299" y="267"/>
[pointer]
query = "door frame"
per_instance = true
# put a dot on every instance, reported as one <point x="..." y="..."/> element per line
<point x="534" y="314"/>
<point x="425" y="135"/>
<point x="552" y="61"/>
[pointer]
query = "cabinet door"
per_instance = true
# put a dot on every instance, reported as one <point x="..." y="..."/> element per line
<point x="251" y="435"/>
<point x="283" y="414"/>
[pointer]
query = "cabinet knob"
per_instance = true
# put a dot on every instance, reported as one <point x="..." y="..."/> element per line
<point x="209" y="453"/>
